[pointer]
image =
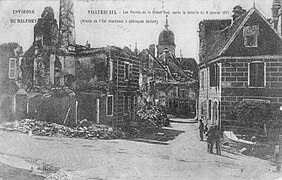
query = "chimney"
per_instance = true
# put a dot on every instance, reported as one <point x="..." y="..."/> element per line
<point x="152" y="49"/>
<point x="66" y="23"/>
<point x="275" y="11"/>
<point x="237" y="12"/>
<point x="181" y="56"/>
<point x="136" y="50"/>
<point x="202" y="39"/>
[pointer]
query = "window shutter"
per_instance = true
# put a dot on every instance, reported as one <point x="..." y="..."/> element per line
<point x="209" y="108"/>
<point x="212" y="75"/>
<point x="110" y="105"/>
<point x="257" y="74"/>
<point x="12" y="68"/>
<point x="253" y="74"/>
<point x="130" y="71"/>
<point x="111" y="70"/>
<point x="218" y="75"/>
<point x="260" y="75"/>
<point x="202" y="80"/>
<point x="126" y="70"/>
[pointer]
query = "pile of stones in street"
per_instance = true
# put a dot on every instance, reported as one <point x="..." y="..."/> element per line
<point x="153" y="118"/>
<point x="85" y="129"/>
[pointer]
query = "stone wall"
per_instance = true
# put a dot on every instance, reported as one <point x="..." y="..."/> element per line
<point x="234" y="81"/>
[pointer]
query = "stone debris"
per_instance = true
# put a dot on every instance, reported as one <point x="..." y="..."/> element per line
<point x="153" y="118"/>
<point x="60" y="175"/>
<point x="85" y="129"/>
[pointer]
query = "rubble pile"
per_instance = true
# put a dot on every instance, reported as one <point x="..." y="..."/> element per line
<point x="153" y="118"/>
<point x="60" y="175"/>
<point x="149" y="121"/>
<point x="85" y="129"/>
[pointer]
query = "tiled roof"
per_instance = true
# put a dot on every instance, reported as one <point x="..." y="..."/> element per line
<point x="171" y="67"/>
<point x="217" y="40"/>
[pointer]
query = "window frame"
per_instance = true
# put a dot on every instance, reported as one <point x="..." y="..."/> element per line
<point x="128" y="70"/>
<point x="202" y="80"/>
<point x="215" y="69"/>
<point x="249" y="74"/>
<point x="14" y="68"/>
<point x="246" y="40"/>
<point x="251" y="31"/>
<point x="111" y="70"/>
<point x="107" y="105"/>
<point x="210" y="104"/>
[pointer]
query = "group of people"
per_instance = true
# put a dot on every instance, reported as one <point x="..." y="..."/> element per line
<point x="214" y="134"/>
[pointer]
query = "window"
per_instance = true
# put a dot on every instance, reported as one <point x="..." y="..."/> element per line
<point x="125" y="105"/>
<point x="111" y="70"/>
<point x="210" y="109"/>
<point x="250" y="34"/>
<point x="12" y="68"/>
<point x="128" y="70"/>
<point x="110" y="105"/>
<point x="214" y="75"/>
<point x="202" y="80"/>
<point x="256" y="74"/>
<point x="58" y="72"/>
<point x="250" y="41"/>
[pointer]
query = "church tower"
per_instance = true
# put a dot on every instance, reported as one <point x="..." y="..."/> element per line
<point x="166" y="41"/>
<point x="66" y="24"/>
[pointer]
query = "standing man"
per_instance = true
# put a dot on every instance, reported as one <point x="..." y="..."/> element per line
<point x="202" y="129"/>
<point x="218" y="135"/>
<point x="211" y="138"/>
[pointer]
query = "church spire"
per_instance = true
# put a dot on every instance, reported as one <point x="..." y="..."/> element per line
<point x="166" y="22"/>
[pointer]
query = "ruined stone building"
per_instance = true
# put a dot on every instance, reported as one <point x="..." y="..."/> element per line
<point x="166" y="80"/>
<point x="240" y="60"/>
<point x="99" y="84"/>
<point x="10" y="78"/>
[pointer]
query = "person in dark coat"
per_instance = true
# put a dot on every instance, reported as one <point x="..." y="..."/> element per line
<point x="211" y="138"/>
<point x="218" y="135"/>
<point x="201" y="129"/>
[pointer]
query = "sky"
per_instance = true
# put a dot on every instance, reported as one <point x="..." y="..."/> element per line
<point x="122" y="33"/>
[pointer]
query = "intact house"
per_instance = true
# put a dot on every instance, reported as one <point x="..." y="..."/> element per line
<point x="97" y="84"/>
<point x="240" y="59"/>
<point x="168" y="81"/>
<point x="10" y="74"/>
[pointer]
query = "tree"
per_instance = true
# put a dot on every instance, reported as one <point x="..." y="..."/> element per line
<point x="255" y="114"/>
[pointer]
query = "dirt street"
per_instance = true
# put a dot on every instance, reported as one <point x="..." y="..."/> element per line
<point x="184" y="157"/>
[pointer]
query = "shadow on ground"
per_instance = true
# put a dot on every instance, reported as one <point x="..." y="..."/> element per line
<point x="9" y="172"/>
<point x="188" y="122"/>
<point x="161" y="136"/>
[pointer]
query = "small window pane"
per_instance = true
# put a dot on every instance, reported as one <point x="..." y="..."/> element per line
<point x="12" y="63"/>
<point x="111" y="70"/>
<point x="12" y="73"/>
<point x="212" y="75"/>
<point x="202" y="80"/>
<point x="110" y="105"/>
<point x="251" y="41"/>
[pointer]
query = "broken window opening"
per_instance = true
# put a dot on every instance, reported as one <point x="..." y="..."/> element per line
<point x="110" y="104"/>
<point x="57" y="72"/>
<point x="12" y="68"/>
